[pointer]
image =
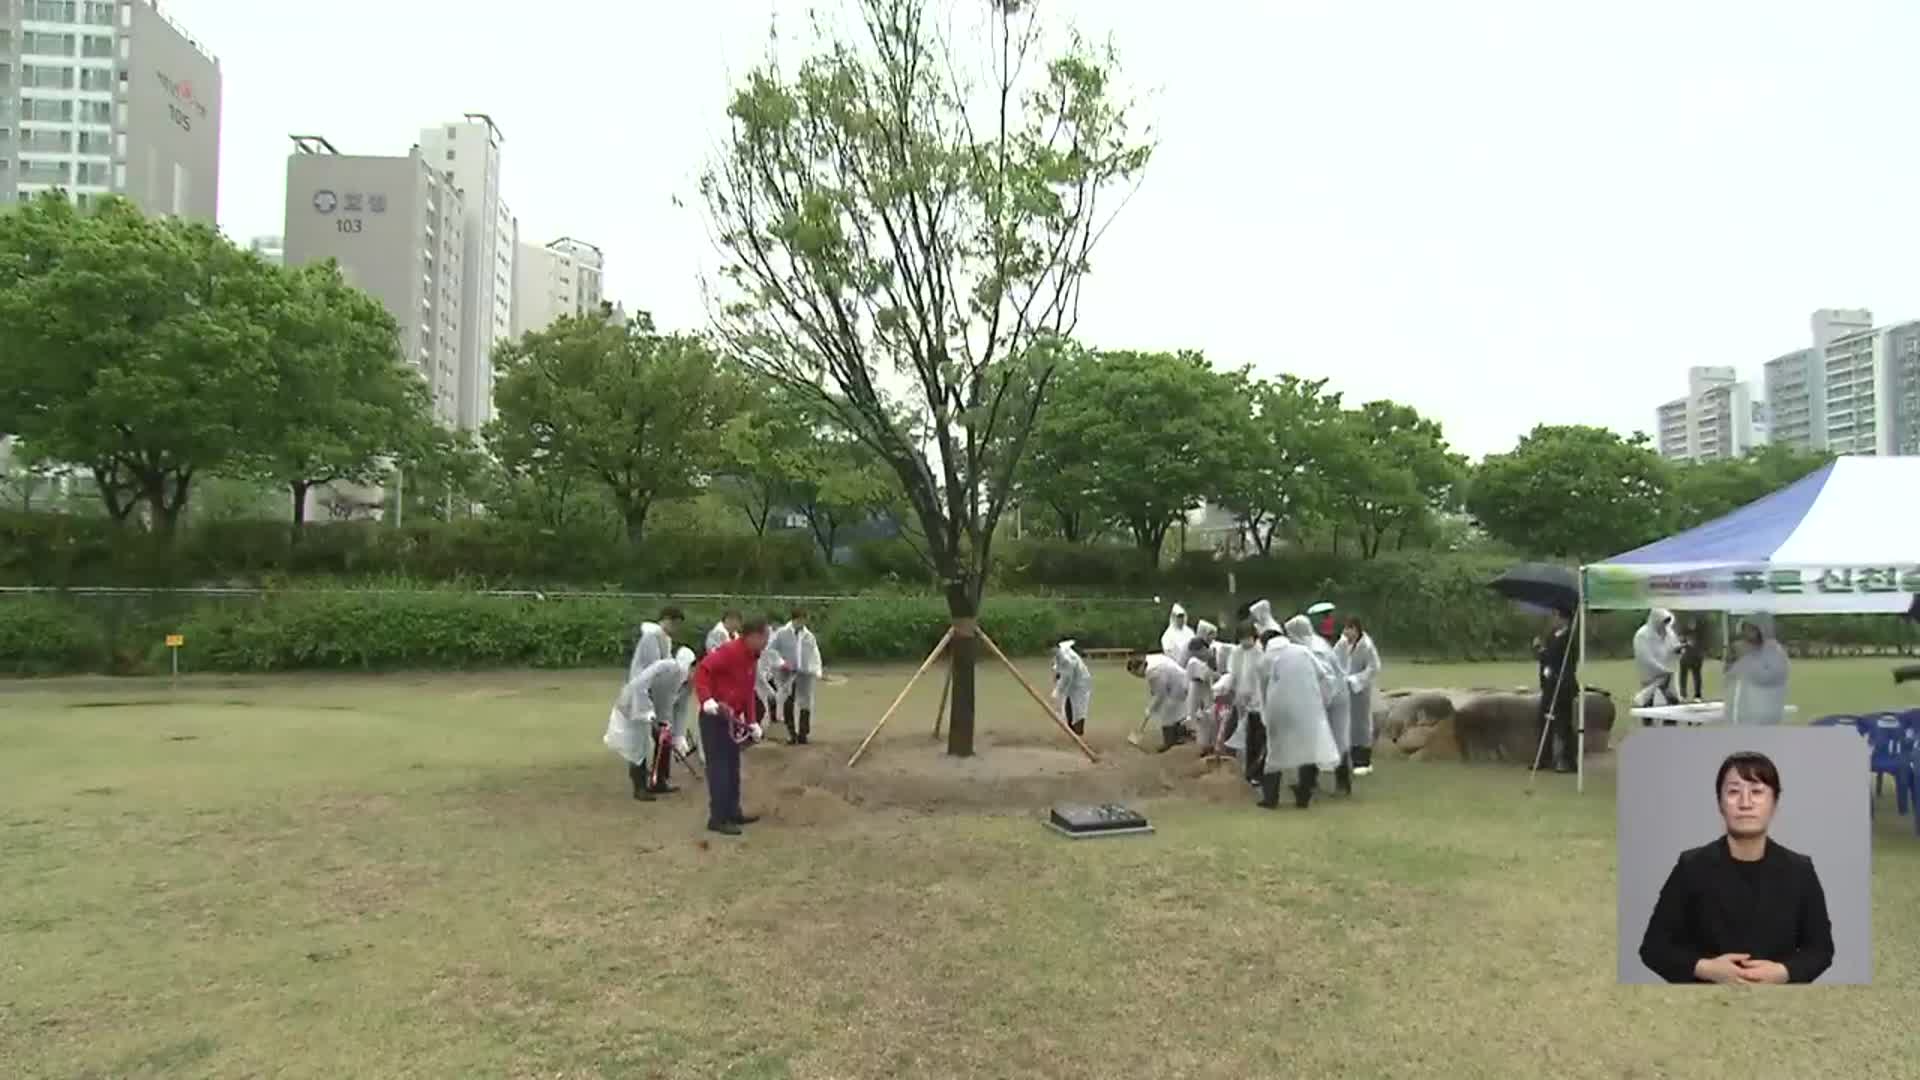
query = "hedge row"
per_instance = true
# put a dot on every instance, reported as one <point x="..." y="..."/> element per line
<point x="347" y="630"/>
<point x="1431" y="609"/>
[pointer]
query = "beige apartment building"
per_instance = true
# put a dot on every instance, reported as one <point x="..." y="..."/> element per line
<point x="565" y="277"/>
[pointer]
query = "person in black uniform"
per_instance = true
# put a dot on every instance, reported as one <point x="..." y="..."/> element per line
<point x="1693" y="658"/>
<point x="1742" y="909"/>
<point x="1559" y="688"/>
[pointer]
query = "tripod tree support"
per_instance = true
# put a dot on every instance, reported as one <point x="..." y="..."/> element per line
<point x="945" y="639"/>
<point x="1038" y="700"/>
<point x="940" y="714"/>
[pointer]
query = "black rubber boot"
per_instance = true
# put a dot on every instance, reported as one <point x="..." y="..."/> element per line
<point x="806" y="725"/>
<point x="1269" y="790"/>
<point x="638" y="775"/>
<point x="1079" y="728"/>
<point x="786" y="717"/>
<point x="1363" y="757"/>
<point x="1304" y="787"/>
<point x="1343" y="778"/>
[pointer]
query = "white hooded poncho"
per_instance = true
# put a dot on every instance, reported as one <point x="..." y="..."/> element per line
<point x="1260" y="613"/>
<point x="1339" y="706"/>
<point x="718" y="636"/>
<point x="654" y="696"/>
<point x="1757" y="681"/>
<point x="1166" y="691"/>
<point x="654" y="645"/>
<point x="1656" y="648"/>
<point x="1363" y="670"/>
<point x="1072" y="681"/>
<point x="1173" y="643"/>
<point x="1294" y="708"/>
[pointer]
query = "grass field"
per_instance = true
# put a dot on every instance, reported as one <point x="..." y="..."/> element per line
<point x="444" y="876"/>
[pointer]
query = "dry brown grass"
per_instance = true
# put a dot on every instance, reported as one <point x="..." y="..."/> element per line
<point x="443" y="876"/>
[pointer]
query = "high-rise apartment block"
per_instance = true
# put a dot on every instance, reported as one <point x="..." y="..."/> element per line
<point x="1873" y="390"/>
<point x="552" y="282"/>
<point x="397" y="227"/>
<point x="1719" y="418"/>
<point x="1796" y="383"/>
<point x="468" y="154"/>
<point x="103" y="97"/>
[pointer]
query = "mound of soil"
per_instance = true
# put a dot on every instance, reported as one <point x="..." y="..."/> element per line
<point x="1014" y="774"/>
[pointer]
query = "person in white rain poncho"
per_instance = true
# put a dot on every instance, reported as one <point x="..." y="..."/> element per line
<point x="793" y="670"/>
<point x="1363" y="670"/>
<point x="1260" y="612"/>
<point x="1173" y="642"/>
<point x="1219" y="652"/>
<point x="1298" y="689"/>
<point x="1166" y="694"/>
<point x="1072" y="686"/>
<point x="1249" y="675"/>
<point x="1756" y="674"/>
<point x="1656" y="655"/>
<point x="655" y="641"/>
<point x="1200" y="676"/>
<point x="1340" y="706"/>
<point x="724" y="631"/>
<point x="651" y="705"/>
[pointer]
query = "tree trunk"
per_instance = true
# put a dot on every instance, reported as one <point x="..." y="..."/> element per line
<point x="299" y="489"/>
<point x="962" y="654"/>
<point x="635" y="517"/>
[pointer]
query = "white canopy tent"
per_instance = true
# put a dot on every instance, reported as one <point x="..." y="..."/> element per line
<point x="1843" y="540"/>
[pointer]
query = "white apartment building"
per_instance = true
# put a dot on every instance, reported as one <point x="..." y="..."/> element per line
<point x="566" y="277"/>
<point x="1873" y="391"/>
<point x="1796" y="383"/>
<point x="103" y="97"/>
<point x="1719" y="418"/>
<point x="271" y="249"/>
<point x="468" y="154"/>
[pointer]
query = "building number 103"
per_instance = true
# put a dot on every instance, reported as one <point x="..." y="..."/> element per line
<point x="347" y="225"/>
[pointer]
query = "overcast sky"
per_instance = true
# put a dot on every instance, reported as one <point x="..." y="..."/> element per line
<point x="1501" y="213"/>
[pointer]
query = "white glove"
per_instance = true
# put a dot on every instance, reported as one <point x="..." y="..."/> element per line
<point x="753" y="732"/>
<point x="712" y="707"/>
<point x="681" y="746"/>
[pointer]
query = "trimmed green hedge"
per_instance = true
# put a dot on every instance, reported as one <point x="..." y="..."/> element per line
<point x="348" y="630"/>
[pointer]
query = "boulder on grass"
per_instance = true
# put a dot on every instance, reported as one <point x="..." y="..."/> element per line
<point x="1477" y="725"/>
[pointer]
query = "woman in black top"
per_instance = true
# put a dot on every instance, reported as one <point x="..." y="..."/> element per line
<point x="1742" y="909"/>
<point x="1693" y="657"/>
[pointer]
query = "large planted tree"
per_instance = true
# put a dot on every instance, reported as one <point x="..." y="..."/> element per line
<point x="1387" y="471"/>
<point x="1277" y="481"/>
<point x="1573" y="491"/>
<point x="639" y="412"/>
<point x="907" y="219"/>
<point x="135" y="347"/>
<point x="342" y="405"/>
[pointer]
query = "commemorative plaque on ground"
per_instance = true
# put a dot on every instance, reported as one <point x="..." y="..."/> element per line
<point x="1080" y="820"/>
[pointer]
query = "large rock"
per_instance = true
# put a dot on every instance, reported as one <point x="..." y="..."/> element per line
<point x="1477" y="725"/>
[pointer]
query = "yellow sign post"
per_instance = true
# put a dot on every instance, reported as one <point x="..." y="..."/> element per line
<point x="174" y="643"/>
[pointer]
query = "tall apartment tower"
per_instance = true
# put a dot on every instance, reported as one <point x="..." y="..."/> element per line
<point x="396" y="225"/>
<point x="468" y="155"/>
<point x="1796" y="383"/>
<point x="1719" y="418"/>
<point x="1873" y="391"/>
<point x="102" y="97"/>
<point x="566" y="277"/>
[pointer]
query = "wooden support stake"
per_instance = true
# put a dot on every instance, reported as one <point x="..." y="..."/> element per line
<point x="1041" y="701"/>
<point x="940" y="714"/>
<point x="891" y="709"/>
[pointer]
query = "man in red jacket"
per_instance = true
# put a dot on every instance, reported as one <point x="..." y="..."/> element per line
<point x="723" y="685"/>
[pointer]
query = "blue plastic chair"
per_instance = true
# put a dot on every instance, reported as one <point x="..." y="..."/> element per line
<point x="1889" y="756"/>
<point x="1911" y="776"/>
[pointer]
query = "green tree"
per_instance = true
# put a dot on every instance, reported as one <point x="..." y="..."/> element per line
<point x="1573" y="491"/>
<point x="135" y="347"/>
<point x="1386" y="470"/>
<point x="840" y="486"/>
<point x="1135" y="438"/>
<point x="343" y="404"/>
<point x="767" y="448"/>
<point x="1707" y="490"/>
<point x="1276" y="480"/>
<point x="638" y="411"/>
<point x="907" y="246"/>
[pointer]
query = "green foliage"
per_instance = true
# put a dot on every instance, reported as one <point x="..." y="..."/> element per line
<point x="42" y="636"/>
<point x="135" y="347"/>
<point x="1388" y="471"/>
<point x="1574" y="491"/>
<point x="342" y="400"/>
<point x="880" y="229"/>
<point x="1134" y="438"/>
<point x="1712" y="489"/>
<point x="637" y="411"/>
<point x="1279" y="479"/>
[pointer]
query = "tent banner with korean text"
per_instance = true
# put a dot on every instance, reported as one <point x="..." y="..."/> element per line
<point x="1844" y="539"/>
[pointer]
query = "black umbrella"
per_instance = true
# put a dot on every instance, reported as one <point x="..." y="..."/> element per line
<point x="1540" y="585"/>
<point x="1910" y="673"/>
